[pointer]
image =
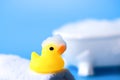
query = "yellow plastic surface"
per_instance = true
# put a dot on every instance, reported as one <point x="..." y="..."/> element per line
<point x="50" y="61"/>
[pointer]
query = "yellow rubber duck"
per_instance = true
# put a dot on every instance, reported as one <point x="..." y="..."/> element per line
<point x="50" y="60"/>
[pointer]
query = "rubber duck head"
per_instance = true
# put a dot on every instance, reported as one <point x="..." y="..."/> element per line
<point x="53" y="46"/>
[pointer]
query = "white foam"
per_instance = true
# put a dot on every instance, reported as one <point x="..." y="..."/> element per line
<point x="90" y="29"/>
<point x="15" y="68"/>
<point x="57" y="39"/>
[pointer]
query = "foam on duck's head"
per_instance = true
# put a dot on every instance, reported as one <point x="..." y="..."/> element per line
<point x="57" y="39"/>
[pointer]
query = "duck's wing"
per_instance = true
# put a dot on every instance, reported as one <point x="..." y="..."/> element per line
<point x="34" y="55"/>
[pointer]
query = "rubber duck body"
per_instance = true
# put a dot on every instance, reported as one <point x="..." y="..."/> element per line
<point x="50" y="60"/>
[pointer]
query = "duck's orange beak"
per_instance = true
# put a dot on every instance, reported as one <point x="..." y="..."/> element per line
<point x="61" y="49"/>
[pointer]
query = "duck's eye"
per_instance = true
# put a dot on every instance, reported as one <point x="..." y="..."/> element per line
<point x="51" y="48"/>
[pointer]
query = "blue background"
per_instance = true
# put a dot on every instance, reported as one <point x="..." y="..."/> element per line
<point x="24" y="24"/>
